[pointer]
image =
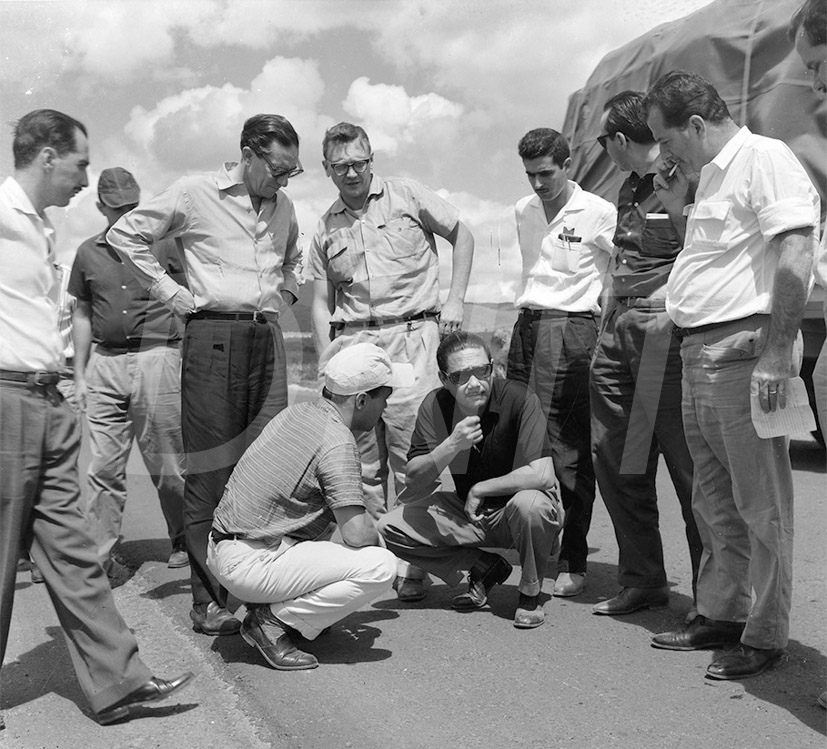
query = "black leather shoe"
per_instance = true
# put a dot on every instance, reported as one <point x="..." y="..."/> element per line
<point x="743" y="663"/>
<point x="633" y="599"/>
<point x="271" y="637"/>
<point x="529" y="613"/>
<point x="213" y="620"/>
<point x="699" y="634"/>
<point x="154" y="690"/>
<point x="480" y="584"/>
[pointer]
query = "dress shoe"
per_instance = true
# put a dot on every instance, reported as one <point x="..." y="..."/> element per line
<point x="37" y="575"/>
<point x="633" y="599"/>
<point x="480" y="584"/>
<point x="569" y="584"/>
<point x="743" y="663"/>
<point x="822" y="699"/>
<point x="699" y="634"/>
<point x="178" y="558"/>
<point x="153" y="691"/>
<point x="213" y="620"/>
<point x="409" y="589"/>
<point x="272" y="638"/>
<point x="529" y="612"/>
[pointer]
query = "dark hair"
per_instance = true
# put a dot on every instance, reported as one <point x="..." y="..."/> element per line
<point x="458" y="341"/>
<point x="680" y="95"/>
<point x="261" y="130"/>
<point x="344" y="132"/>
<point x="627" y="115"/>
<point x="812" y="15"/>
<point x="543" y="141"/>
<point x="41" y="128"/>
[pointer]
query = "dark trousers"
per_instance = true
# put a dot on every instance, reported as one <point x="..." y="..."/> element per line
<point x="233" y="381"/>
<point x="434" y="533"/>
<point x="636" y="416"/>
<point x="40" y="509"/>
<point x="552" y="355"/>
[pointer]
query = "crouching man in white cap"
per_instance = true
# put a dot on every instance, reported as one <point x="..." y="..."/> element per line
<point x="297" y="481"/>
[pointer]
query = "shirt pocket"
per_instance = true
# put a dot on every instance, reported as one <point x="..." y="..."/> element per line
<point x="342" y="261"/>
<point x="710" y="223"/>
<point x="659" y="237"/>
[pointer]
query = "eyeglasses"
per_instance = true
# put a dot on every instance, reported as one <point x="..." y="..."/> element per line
<point x="340" y="169"/>
<point x="283" y="173"/>
<point x="601" y="139"/>
<point x="461" y="377"/>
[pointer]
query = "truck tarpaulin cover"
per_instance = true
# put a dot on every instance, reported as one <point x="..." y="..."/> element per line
<point x="741" y="47"/>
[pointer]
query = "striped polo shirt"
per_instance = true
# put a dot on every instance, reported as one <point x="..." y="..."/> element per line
<point x="304" y="464"/>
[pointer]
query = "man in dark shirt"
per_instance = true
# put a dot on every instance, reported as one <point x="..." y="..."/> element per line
<point x="490" y="434"/>
<point x="129" y="384"/>
<point x="636" y="372"/>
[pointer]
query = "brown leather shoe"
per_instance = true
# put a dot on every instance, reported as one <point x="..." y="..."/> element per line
<point x="409" y="589"/>
<point x="633" y="599"/>
<point x="213" y="620"/>
<point x="153" y="691"/>
<point x="480" y="584"/>
<point x="529" y="613"/>
<point x="699" y="634"/>
<point x="271" y="637"/>
<point x="743" y="663"/>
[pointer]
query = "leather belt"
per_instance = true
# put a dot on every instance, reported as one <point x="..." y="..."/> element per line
<point x="218" y="537"/>
<point x="542" y="314"/>
<point x="136" y="344"/>
<point x="257" y="316"/>
<point x="33" y="379"/>
<point x="681" y="333"/>
<point x="642" y="302"/>
<point x="377" y="323"/>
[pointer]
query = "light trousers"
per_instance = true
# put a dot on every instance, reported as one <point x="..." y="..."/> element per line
<point x="308" y="584"/>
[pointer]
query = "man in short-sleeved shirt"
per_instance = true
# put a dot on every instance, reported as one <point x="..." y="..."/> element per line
<point x="737" y="293"/>
<point x="490" y="435"/>
<point x="376" y="278"/>
<point x="565" y="236"/>
<point x="297" y="481"/>
<point x="130" y="383"/>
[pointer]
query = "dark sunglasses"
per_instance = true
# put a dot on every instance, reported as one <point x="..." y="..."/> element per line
<point x="601" y="139"/>
<point x="461" y="377"/>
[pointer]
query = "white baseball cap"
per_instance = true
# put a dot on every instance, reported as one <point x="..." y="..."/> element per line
<point x="363" y="367"/>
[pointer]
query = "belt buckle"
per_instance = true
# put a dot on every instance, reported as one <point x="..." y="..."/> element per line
<point x="258" y="316"/>
<point x="42" y="379"/>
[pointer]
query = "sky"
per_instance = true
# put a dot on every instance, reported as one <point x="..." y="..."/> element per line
<point x="444" y="88"/>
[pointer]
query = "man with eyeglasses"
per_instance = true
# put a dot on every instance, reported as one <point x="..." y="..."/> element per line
<point x="636" y="371"/>
<point x="490" y="435"/>
<point x="376" y="278"/>
<point x="240" y="241"/>
<point x="565" y="236"/>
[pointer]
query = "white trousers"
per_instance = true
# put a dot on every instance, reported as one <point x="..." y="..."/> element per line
<point x="308" y="584"/>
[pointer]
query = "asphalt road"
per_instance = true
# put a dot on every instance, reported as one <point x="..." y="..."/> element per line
<point x="423" y="676"/>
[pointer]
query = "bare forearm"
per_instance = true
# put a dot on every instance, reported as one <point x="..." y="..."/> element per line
<point x="789" y="295"/>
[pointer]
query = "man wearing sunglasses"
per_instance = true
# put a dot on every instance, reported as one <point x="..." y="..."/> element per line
<point x="240" y="240"/>
<point x="565" y="236"/>
<point x="636" y="372"/>
<point x="490" y="435"/>
<point x="376" y="278"/>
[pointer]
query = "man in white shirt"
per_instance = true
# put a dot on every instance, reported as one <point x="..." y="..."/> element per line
<point x="40" y="434"/>
<point x="736" y="293"/>
<point x="565" y="236"/>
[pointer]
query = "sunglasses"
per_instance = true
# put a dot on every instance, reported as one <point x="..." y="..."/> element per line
<point x="462" y="377"/>
<point x="601" y="139"/>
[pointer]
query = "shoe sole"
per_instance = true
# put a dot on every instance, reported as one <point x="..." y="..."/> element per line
<point x="178" y="565"/>
<point x="735" y="677"/>
<point x="706" y="646"/>
<point x="532" y="625"/>
<point x="122" y="712"/>
<point x="650" y="606"/>
<point x="567" y="594"/>
<point x="253" y="643"/>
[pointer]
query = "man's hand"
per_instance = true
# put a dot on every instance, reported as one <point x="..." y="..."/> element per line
<point x="450" y="318"/>
<point x="467" y="433"/>
<point x="671" y="186"/>
<point x="182" y="303"/>
<point x="769" y="380"/>
<point x="473" y="505"/>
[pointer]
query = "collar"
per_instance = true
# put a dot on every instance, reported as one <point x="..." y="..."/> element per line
<point x="229" y="175"/>
<point x="376" y="188"/>
<point x="18" y="199"/>
<point x="731" y="148"/>
<point x="576" y="202"/>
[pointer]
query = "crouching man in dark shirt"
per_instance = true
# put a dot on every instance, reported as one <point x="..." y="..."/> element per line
<point x="490" y="435"/>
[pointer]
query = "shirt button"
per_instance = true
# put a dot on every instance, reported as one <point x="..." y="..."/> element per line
<point x="123" y="286"/>
<point x="124" y="312"/>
